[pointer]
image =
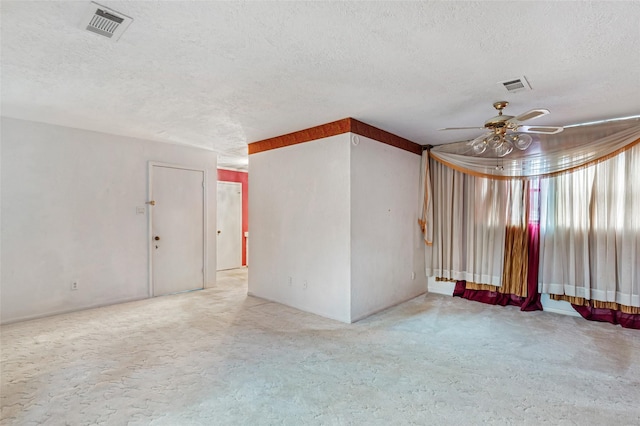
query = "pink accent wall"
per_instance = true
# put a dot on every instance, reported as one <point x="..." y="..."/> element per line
<point x="243" y="178"/>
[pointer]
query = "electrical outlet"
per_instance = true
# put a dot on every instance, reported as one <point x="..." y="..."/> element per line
<point x="74" y="285"/>
<point x="290" y="281"/>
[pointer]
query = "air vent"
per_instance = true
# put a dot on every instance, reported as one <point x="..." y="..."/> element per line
<point x="105" y="22"/>
<point x="516" y="85"/>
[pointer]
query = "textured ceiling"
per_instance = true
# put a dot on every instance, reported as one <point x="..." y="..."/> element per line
<point x="222" y="74"/>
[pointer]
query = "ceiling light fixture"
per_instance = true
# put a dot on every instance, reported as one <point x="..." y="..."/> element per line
<point x="500" y="142"/>
<point x="506" y="132"/>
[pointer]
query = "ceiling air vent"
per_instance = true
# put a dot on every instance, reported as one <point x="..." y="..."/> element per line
<point x="105" y="22"/>
<point x="516" y="85"/>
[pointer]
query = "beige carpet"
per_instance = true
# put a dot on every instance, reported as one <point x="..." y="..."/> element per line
<point x="219" y="357"/>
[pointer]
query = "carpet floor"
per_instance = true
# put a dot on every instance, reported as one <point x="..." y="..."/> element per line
<point x="220" y="357"/>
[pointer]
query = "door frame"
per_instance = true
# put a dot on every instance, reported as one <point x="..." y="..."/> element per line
<point x="205" y="209"/>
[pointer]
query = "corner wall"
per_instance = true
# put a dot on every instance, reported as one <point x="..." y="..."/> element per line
<point x="334" y="220"/>
<point x="69" y="200"/>
<point x="387" y="249"/>
<point x="299" y="222"/>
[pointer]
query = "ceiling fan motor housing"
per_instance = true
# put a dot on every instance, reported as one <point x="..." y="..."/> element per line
<point x="498" y="122"/>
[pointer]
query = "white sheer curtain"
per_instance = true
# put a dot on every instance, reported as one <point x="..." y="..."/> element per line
<point x="590" y="231"/>
<point x="470" y="215"/>
<point x="564" y="234"/>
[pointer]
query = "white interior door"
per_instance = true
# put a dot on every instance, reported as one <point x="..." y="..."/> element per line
<point x="229" y="238"/>
<point x="177" y="229"/>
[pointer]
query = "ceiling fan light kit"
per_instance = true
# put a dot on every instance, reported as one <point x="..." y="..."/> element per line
<point x="506" y="131"/>
<point x="522" y="141"/>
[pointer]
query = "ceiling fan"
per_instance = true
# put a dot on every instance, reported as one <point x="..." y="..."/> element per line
<point x="507" y="131"/>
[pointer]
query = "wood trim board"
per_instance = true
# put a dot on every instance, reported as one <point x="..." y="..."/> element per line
<point x="335" y="128"/>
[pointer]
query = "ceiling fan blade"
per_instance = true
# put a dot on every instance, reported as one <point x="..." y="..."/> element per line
<point x="547" y="130"/>
<point x="529" y="115"/>
<point x="461" y="128"/>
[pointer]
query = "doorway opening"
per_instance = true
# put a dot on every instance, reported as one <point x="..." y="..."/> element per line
<point x="229" y="229"/>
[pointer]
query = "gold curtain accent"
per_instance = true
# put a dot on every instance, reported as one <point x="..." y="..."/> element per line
<point x="426" y="216"/>
<point x="476" y="286"/>
<point x="516" y="262"/>
<point x="484" y="287"/>
<point x="516" y="246"/>
<point x="471" y="286"/>
<point x="581" y="301"/>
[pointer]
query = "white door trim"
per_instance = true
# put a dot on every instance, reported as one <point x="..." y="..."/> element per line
<point x="205" y="209"/>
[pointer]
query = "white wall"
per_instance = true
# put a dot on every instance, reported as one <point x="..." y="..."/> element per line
<point x="386" y="242"/>
<point x="299" y="221"/>
<point x="69" y="201"/>
<point x="557" y="306"/>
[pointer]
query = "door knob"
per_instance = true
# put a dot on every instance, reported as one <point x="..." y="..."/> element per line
<point x="157" y="238"/>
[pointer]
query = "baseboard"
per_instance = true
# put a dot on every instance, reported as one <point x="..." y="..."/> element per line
<point x="299" y="308"/>
<point x="68" y="311"/>
<point x="377" y="310"/>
